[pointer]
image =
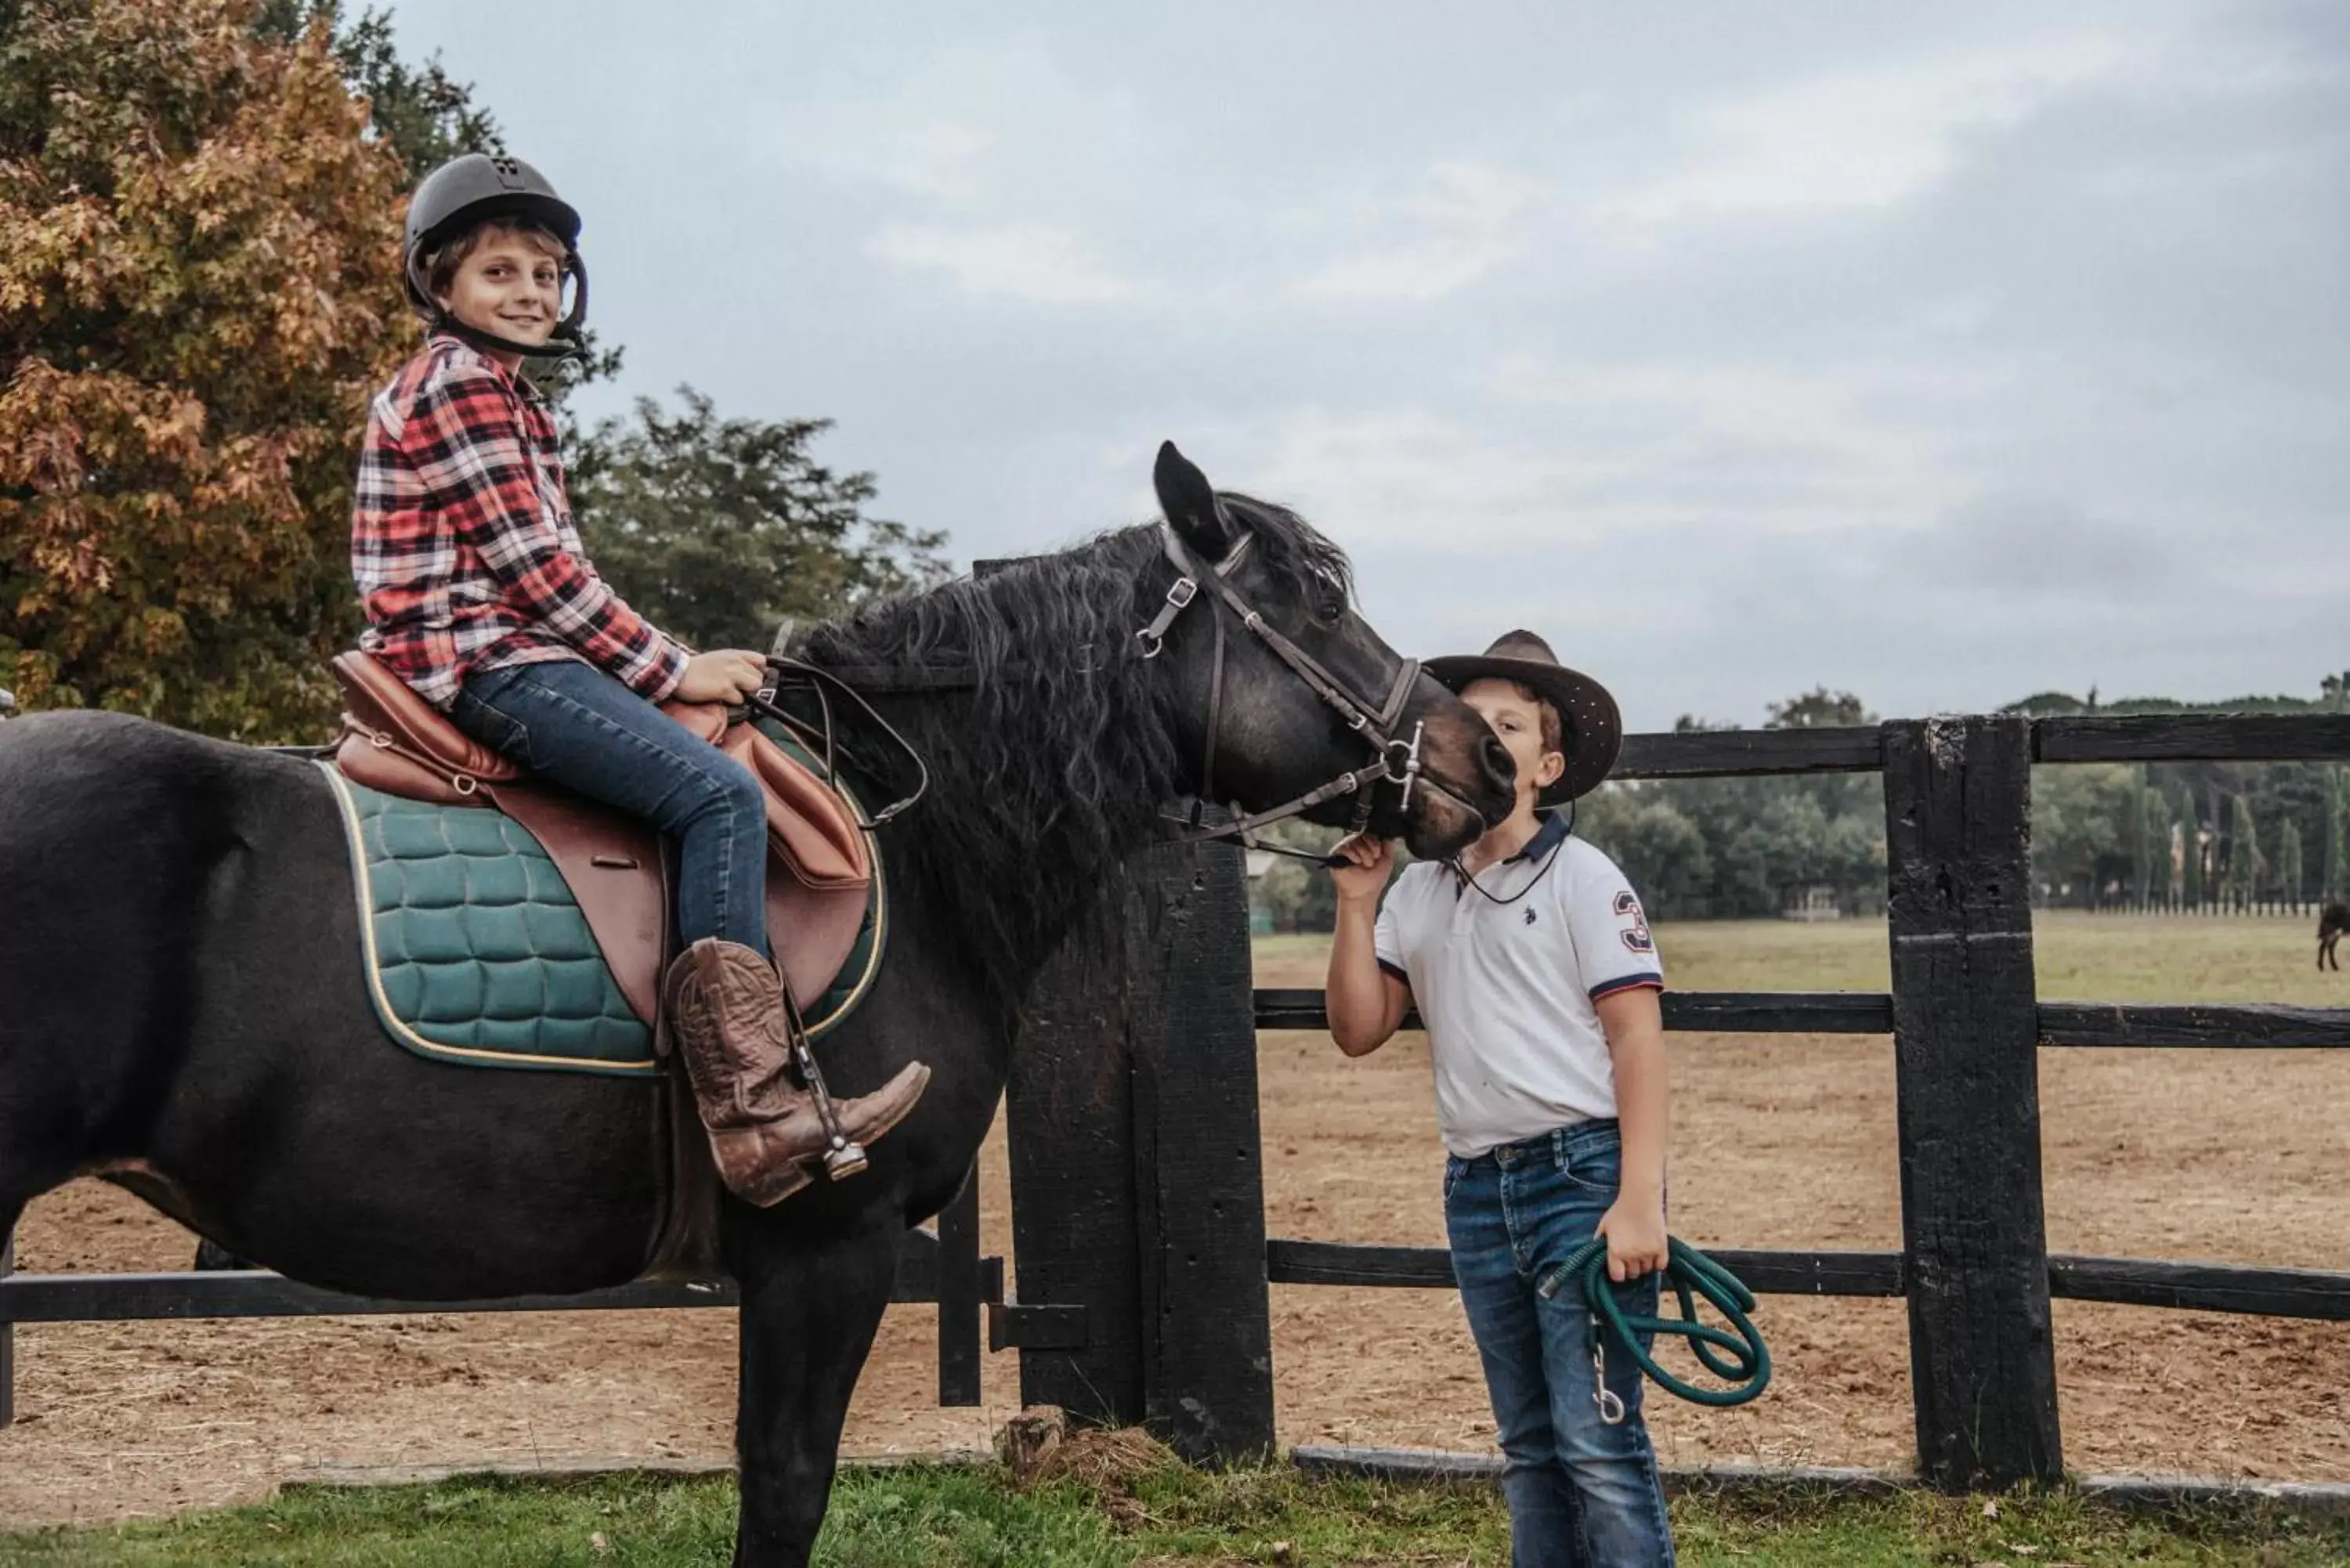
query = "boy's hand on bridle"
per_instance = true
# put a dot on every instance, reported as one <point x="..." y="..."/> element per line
<point x="1367" y="862"/>
<point x="1635" y="1238"/>
<point x="725" y="675"/>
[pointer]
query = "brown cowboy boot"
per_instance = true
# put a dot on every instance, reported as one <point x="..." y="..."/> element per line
<point x="725" y="1007"/>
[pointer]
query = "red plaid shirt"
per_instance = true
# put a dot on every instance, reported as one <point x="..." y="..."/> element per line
<point x="461" y="540"/>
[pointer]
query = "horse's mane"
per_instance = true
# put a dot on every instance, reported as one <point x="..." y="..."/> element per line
<point x="1053" y="761"/>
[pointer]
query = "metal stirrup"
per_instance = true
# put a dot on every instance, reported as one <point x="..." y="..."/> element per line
<point x="844" y="1157"/>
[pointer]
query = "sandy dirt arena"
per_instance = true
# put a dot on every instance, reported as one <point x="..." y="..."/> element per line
<point x="1788" y="1141"/>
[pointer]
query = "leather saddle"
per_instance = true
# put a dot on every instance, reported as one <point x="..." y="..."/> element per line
<point x="819" y="869"/>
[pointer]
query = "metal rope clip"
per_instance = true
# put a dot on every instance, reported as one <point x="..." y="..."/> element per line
<point x="1611" y="1406"/>
<point x="1408" y="776"/>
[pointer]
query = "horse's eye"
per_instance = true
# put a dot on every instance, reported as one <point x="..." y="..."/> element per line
<point x="1330" y="612"/>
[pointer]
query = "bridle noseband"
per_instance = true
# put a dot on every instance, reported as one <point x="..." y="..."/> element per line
<point x="1397" y="760"/>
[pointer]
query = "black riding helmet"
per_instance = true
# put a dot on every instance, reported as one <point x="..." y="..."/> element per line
<point x="480" y="187"/>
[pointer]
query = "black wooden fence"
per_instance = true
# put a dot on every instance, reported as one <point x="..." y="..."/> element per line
<point x="1137" y="1187"/>
<point x="1137" y="1200"/>
<point x="943" y="1267"/>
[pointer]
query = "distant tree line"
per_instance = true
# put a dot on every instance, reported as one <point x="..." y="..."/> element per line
<point x="2187" y="837"/>
<point x="2191" y="836"/>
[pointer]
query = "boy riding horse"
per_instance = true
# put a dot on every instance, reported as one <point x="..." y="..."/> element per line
<point x="480" y="597"/>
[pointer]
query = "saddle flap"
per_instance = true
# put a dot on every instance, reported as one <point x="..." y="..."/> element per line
<point x="392" y="717"/>
<point x="808" y="825"/>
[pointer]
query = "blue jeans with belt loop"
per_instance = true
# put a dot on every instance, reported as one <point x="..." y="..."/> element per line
<point x="1582" y="1493"/>
<point x="576" y="726"/>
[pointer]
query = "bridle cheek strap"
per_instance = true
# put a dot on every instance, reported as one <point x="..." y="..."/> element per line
<point x="1397" y="762"/>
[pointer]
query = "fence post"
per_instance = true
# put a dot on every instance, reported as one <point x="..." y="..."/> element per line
<point x="1136" y="1179"/>
<point x="1966" y="1040"/>
<point x="959" y="1306"/>
<point x="8" y="1339"/>
<point x="1199" y="1168"/>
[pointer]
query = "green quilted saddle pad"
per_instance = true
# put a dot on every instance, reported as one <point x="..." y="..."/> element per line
<point x="477" y="953"/>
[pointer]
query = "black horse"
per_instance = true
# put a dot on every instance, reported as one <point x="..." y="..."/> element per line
<point x="2332" y="922"/>
<point x="182" y="1010"/>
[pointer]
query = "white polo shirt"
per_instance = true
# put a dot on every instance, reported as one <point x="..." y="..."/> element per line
<point x="1506" y="988"/>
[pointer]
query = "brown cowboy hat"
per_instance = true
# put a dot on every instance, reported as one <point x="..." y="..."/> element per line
<point x="1595" y="729"/>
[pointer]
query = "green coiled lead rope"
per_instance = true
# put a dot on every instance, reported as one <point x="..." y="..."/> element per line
<point x="1736" y="1354"/>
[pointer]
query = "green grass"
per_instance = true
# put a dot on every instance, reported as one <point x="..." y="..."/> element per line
<point x="972" y="1518"/>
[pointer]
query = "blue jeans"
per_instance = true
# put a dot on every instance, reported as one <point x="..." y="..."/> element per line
<point x="1581" y="1494"/>
<point x="583" y="729"/>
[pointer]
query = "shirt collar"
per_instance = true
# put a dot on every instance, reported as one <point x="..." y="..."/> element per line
<point x="523" y="386"/>
<point x="1547" y="837"/>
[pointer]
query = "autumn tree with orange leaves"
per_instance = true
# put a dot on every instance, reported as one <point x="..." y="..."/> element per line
<point x="199" y="291"/>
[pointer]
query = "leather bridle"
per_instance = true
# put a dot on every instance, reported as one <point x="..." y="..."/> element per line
<point x="1396" y="760"/>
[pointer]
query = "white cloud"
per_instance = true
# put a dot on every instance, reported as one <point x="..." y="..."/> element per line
<point x="1463" y="221"/>
<point x="1862" y="139"/>
<point x="1851" y="446"/>
<point x="1674" y="453"/>
<point x="1033" y="262"/>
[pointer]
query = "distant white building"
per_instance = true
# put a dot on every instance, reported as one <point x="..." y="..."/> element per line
<point x="1816" y="902"/>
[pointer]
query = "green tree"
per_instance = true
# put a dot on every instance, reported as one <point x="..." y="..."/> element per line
<point x="422" y="113"/>
<point x="2337" y="831"/>
<point x="2149" y="846"/>
<point x="2191" y="881"/>
<point x="2243" y="854"/>
<point x="719" y="528"/>
<point x="1662" y="852"/>
<point x="1819" y="709"/>
<point x="2292" y="886"/>
<point x="426" y="116"/>
<point x="1296" y="894"/>
<point x="2174" y="886"/>
<point x="2084" y="828"/>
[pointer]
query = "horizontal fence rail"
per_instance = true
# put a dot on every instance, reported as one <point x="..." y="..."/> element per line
<point x="258" y="1292"/>
<point x="944" y="1269"/>
<point x="2176" y="1026"/>
<point x="2077" y="737"/>
<point x="1736" y="753"/>
<point x="2317" y="1294"/>
<point x="2195" y="1024"/>
<point x="1290" y="1262"/>
<point x="2193" y="738"/>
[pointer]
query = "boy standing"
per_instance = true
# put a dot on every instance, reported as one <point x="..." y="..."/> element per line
<point x="480" y="595"/>
<point x="1537" y="979"/>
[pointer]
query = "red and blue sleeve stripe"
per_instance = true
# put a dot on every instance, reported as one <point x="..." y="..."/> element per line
<point x="1627" y="983"/>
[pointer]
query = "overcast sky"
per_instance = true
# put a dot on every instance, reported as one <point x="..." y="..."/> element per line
<point x="1943" y="354"/>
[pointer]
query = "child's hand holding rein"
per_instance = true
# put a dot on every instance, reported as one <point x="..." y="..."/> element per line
<point x="725" y="675"/>
<point x="1365" y="874"/>
<point x="1634" y="1230"/>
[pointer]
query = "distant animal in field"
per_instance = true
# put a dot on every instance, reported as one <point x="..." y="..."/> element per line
<point x="2333" y="921"/>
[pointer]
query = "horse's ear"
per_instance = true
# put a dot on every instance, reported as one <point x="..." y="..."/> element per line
<point x="1189" y="504"/>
